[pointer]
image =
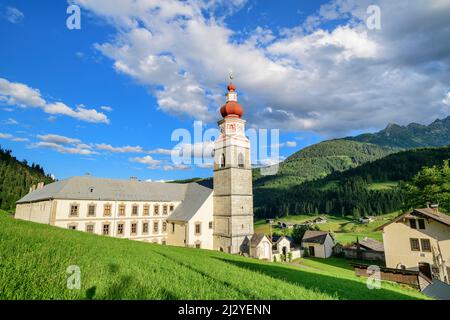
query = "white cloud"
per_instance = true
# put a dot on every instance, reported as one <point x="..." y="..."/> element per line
<point x="125" y="149"/>
<point x="148" y="160"/>
<point x="63" y="149"/>
<point x="196" y="150"/>
<point x="446" y="100"/>
<point x="331" y="81"/>
<point x="54" y="138"/>
<point x="63" y="144"/>
<point x="10" y="137"/>
<point x="21" y="95"/>
<point x="291" y="144"/>
<point x="80" y="113"/>
<point x="13" y="15"/>
<point x="161" y="151"/>
<point x="11" y="121"/>
<point x="106" y="108"/>
<point x="181" y="167"/>
<point x="14" y="93"/>
<point x="206" y="165"/>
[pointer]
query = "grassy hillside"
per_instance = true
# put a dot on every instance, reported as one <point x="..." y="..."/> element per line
<point x="369" y="189"/>
<point x="345" y="229"/>
<point x="320" y="160"/>
<point x="34" y="259"/>
<point x="16" y="177"/>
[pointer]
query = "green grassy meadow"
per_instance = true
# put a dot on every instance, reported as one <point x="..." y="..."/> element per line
<point x="345" y="229"/>
<point x="34" y="259"/>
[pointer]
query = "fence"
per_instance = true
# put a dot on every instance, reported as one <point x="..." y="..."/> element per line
<point x="409" y="277"/>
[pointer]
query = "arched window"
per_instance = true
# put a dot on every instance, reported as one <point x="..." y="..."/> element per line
<point x="222" y="160"/>
<point x="240" y="160"/>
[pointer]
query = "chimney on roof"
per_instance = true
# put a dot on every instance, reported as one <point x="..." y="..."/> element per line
<point x="40" y="185"/>
<point x="33" y="187"/>
<point x="435" y="208"/>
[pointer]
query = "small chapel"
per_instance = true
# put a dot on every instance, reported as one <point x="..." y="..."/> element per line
<point x="216" y="216"/>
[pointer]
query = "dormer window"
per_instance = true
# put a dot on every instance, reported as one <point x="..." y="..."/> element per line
<point x="91" y="189"/>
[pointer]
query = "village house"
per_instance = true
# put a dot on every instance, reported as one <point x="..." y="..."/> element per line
<point x="320" y="220"/>
<point x="365" y="249"/>
<point x="419" y="240"/>
<point x="261" y="247"/>
<point x="286" y="225"/>
<point x="283" y="246"/>
<point x="318" y="243"/>
<point x="366" y="220"/>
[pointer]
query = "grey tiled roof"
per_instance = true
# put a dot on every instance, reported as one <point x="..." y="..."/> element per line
<point x="425" y="212"/>
<point x="372" y="244"/>
<point x="195" y="196"/>
<point x="315" y="236"/>
<point x="108" y="189"/>
<point x="257" y="238"/>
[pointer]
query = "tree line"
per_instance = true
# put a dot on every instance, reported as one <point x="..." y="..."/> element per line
<point x="349" y="192"/>
<point x="16" y="178"/>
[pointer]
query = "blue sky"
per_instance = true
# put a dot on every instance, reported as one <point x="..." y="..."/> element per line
<point x="106" y="98"/>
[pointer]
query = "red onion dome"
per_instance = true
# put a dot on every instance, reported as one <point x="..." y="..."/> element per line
<point x="232" y="109"/>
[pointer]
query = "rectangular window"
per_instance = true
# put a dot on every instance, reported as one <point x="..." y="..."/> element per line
<point x="146" y="210"/>
<point x="156" y="210"/>
<point x="421" y="224"/>
<point x="198" y="228"/>
<point x="155" y="227"/>
<point x="164" y="209"/>
<point x="163" y="242"/>
<point x="198" y="245"/>
<point x="412" y="224"/>
<point x="122" y="208"/>
<point x="133" y="228"/>
<point x="164" y="227"/>
<point x="135" y="210"/>
<point x="72" y="227"/>
<point x="74" y="210"/>
<point x="171" y="207"/>
<point x="91" y="210"/>
<point x="173" y="227"/>
<point x="426" y="245"/>
<point x="120" y="229"/>
<point x="107" y="210"/>
<point x="145" y="227"/>
<point x="210" y="224"/>
<point x="90" y="228"/>
<point x="414" y="244"/>
<point x="106" y="229"/>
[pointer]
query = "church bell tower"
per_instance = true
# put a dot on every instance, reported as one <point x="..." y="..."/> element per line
<point x="233" y="195"/>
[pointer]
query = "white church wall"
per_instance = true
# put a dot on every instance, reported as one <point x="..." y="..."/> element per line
<point x="203" y="217"/>
<point x="176" y="234"/>
<point x="39" y="212"/>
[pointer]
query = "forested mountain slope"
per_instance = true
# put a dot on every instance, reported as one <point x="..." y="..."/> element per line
<point x="369" y="189"/>
<point x="16" y="178"/>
